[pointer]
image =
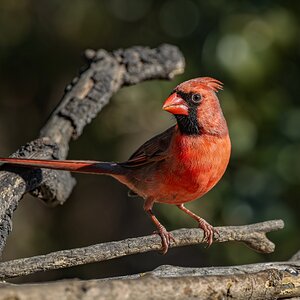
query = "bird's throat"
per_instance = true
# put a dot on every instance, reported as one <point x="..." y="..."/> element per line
<point x="188" y="125"/>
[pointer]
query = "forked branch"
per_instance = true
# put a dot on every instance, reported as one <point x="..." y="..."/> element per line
<point x="104" y="74"/>
<point x="253" y="235"/>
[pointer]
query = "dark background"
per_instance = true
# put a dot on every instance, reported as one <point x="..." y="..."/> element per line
<point x="251" y="46"/>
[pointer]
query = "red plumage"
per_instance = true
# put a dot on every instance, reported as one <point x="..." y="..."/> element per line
<point x="177" y="166"/>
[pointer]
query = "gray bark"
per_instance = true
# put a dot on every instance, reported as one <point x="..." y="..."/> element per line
<point x="257" y="281"/>
<point x="253" y="236"/>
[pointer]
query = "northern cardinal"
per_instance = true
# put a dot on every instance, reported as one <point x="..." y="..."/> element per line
<point x="177" y="166"/>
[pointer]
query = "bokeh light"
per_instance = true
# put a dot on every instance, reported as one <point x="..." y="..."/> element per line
<point x="179" y="18"/>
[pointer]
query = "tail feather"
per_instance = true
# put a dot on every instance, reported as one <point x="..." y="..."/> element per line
<point x="78" y="166"/>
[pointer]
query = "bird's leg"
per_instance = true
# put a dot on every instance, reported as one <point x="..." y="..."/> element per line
<point x="166" y="237"/>
<point x="208" y="229"/>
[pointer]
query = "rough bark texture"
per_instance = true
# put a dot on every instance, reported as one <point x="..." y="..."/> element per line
<point x="296" y="256"/>
<point x="105" y="73"/>
<point x="16" y="181"/>
<point x="252" y="235"/>
<point x="259" y="281"/>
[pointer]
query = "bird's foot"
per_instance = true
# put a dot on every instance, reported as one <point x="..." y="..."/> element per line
<point x="166" y="238"/>
<point x="209" y="231"/>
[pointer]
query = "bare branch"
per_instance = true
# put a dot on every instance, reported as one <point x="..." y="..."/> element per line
<point x="296" y="256"/>
<point x="84" y="98"/>
<point x="256" y="281"/>
<point x="253" y="235"/>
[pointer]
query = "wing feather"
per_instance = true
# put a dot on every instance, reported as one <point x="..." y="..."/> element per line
<point x="153" y="150"/>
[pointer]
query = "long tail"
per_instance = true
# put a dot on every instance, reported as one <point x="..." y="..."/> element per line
<point x="78" y="166"/>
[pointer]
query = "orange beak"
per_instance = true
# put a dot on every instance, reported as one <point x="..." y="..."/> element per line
<point x="176" y="105"/>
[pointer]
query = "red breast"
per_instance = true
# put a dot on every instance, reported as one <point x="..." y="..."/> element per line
<point x="193" y="167"/>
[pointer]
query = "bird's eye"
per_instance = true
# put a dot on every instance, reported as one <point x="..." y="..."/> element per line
<point x="196" y="98"/>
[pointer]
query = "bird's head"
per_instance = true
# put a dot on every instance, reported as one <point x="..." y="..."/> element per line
<point x="196" y="107"/>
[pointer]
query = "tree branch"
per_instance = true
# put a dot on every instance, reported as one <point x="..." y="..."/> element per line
<point x="256" y="281"/>
<point x="296" y="256"/>
<point x="84" y="98"/>
<point x="253" y="235"/>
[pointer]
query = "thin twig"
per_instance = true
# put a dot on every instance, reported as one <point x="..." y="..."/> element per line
<point x="253" y="235"/>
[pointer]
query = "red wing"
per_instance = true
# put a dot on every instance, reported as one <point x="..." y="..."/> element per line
<point x="153" y="150"/>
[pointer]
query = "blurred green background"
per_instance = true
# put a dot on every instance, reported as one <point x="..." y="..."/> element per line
<point x="251" y="46"/>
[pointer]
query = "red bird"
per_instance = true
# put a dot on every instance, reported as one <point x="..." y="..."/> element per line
<point x="177" y="166"/>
